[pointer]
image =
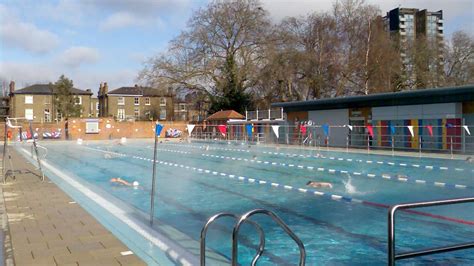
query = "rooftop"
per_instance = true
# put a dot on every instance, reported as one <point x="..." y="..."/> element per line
<point x="47" y="89"/>
<point x="424" y="96"/>
<point x="225" y="115"/>
<point x="138" y="91"/>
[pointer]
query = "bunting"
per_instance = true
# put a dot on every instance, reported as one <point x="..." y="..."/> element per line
<point x="370" y="128"/>
<point x="326" y="129"/>
<point x="222" y="129"/>
<point x="303" y="129"/>
<point x="190" y="128"/>
<point x="430" y="130"/>
<point x="275" y="130"/>
<point x="392" y="129"/>
<point x="350" y="127"/>
<point x="467" y="129"/>
<point x="158" y="129"/>
<point x="412" y="133"/>
<point x="249" y="128"/>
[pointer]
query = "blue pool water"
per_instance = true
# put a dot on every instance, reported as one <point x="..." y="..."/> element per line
<point x="197" y="180"/>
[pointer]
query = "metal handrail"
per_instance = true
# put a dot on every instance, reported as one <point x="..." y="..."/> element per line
<point x="212" y="219"/>
<point x="275" y="218"/>
<point x="392" y="256"/>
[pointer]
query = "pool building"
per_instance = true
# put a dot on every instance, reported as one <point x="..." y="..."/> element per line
<point x="430" y="119"/>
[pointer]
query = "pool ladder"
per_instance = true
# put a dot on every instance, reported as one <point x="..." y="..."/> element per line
<point x="235" y="234"/>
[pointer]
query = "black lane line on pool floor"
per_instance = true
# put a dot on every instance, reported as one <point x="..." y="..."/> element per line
<point x="329" y="196"/>
<point x="402" y="164"/>
<point x="202" y="218"/>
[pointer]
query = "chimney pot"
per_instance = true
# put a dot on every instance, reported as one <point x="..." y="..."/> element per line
<point x="12" y="86"/>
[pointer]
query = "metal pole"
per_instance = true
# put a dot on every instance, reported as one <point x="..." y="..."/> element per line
<point x="36" y="152"/>
<point x="391" y="236"/>
<point x="368" y="144"/>
<point x="347" y="144"/>
<point x="463" y="134"/>
<point x="452" y="147"/>
<point x="327" y="143"/>
<point x="419" y="146"/>
<point x="393" y="146"/>
<point x="152" y="208"/>
<point x="5" y="139"/>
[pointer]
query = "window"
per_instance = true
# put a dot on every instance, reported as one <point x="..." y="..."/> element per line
<point x="97" y="106"/>
<point x="148" y="114"/>
<point x="162" y="101"/>
<point x="136" y="112"/>
<point x="47" y="115"/>
<point x="29" y="99"/>
<point x="59" y="116"/>
<point x="29" y="114"/>
<point x="136" y="101"/>
<point x="163" y="114"/>
<point x="121" y="114"/>
<point x="78" y="100"/>
<point x="147" y="101"/>
<point x="121" y="101"/>
<point x="182" y="107"/>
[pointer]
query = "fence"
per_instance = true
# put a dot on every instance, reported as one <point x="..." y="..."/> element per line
<point x="107" y="129"/>
<point x="456" y="140"/>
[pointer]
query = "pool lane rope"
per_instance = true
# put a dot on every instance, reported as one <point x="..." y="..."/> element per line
<point x="401" y="164"/>
<point x="404" y="179"/>
<point x="291" y="188"/>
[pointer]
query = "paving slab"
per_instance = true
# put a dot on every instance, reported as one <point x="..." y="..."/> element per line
<point x="45" y="228"/>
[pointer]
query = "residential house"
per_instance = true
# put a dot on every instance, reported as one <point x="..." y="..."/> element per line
<point x="137" y="103"/>
<point x="37" y="102"/>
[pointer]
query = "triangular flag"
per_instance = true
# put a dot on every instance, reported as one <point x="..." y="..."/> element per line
<point x="190" y="129"/>
<point x="249" y="128"/>
<point x="449" y="125"/>
<point x="275" y="130"/>
<point x="370" y="128"/>
<point x="326" y="129"/>
<point x="222" y="129"/>
<point x="467" y="130"/>
<point x="350" y="127"/>
<point x="392" y="129"/>
<point x="158" y="129"/>
<point x="430" y="130"/>
<point x="303" y="129"/>
<point x="411" y="130"/>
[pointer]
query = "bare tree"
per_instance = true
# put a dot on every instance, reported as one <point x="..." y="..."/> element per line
<point x="459" y="59"/>
<point x="218" y="53"/>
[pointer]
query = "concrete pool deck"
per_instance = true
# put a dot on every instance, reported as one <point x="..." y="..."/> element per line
<point x="42" y="225"/>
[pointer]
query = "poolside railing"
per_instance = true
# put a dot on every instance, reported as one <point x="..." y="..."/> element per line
<point x="454" y="140"/>
<point x="393" y="256"/>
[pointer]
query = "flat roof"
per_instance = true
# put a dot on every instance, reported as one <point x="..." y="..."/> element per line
<point x="422" y="96"/>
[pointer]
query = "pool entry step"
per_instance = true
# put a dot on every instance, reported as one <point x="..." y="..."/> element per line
<point x="235" y="235"/>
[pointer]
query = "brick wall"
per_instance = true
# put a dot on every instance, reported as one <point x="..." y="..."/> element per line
<point x="115" y="130"/>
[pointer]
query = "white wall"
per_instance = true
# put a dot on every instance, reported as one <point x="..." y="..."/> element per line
<point x="332" y="117"/>
<point x="422" y="111"/>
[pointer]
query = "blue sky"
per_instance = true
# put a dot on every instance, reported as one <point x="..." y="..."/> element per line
<point x="91" y="41"/>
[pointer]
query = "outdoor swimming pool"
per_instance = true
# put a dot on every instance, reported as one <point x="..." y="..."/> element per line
<point x="343" y="225"/>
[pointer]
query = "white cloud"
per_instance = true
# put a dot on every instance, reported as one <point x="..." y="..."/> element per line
<point x="121" y="20"/>
<point x="27" y="36"/>
<point x="78" y="55"/>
